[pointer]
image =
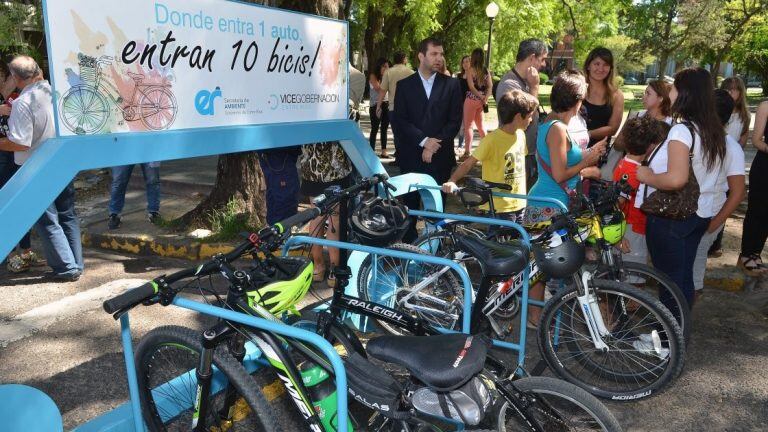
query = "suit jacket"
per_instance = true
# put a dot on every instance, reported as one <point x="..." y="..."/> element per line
<point x="418" y="117"/>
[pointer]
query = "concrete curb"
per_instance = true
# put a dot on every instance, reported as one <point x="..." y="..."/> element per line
<point x="195" y="250"/>
<point x="144" y="245"/>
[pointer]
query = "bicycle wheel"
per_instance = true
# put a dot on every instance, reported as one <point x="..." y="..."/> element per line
<point x="166" y="359"/>
<point x="418" y="289"/>
<point x="644" y="350"/>
<point x="647" y="278"/>
<point x="556" y="406"/>
<point x="83" y="110"/>
<point x="440" y="243"/>
<point x="157" y="108"/>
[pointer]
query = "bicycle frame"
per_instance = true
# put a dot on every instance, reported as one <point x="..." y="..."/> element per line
<point x="250" y="322"/>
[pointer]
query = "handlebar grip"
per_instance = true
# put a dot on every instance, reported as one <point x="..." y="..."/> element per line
<point x="299" y="218"/>
<point x="131" y="297"/>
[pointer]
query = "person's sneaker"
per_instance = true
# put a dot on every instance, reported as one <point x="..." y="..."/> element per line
<point x="33" y="259"/>
<point x="114" y="221"/>
<point x="66" y="277"/>
<point x="717" y="253"/>
<point x="650" y="344"/>
<point x="16" y="264"/>
<point x="154" y="218"/>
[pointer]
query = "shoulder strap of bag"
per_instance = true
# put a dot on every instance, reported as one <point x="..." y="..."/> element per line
<point x="547" y="169"/>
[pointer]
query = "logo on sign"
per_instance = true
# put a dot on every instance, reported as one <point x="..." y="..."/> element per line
<point x="204" y="100"/>
<point x="273" y="102"/>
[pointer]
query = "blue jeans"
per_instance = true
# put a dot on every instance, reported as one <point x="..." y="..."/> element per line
<point x="672" y="245"/>
<point x="120" y="177"/>
<point x="59" y="232"/>
<point x="7" y="169"/>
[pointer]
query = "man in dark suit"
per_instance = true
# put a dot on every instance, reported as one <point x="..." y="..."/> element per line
<point x="428" y="108"/>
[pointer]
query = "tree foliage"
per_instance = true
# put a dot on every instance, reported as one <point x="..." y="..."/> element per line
<point x="750" y="52"/>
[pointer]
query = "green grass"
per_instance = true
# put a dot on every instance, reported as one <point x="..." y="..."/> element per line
<point x="228" y="223"/>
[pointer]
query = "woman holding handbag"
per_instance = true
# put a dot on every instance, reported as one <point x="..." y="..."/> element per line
<point x="678" y="184"/>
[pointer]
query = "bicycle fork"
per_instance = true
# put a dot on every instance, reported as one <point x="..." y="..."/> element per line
<point x="593" y="317"/>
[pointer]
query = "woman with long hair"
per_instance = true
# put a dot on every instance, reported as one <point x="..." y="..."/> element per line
<point x="561" y="162"/>
<point x="462" y="77"/>
<point x="604" y="104"/>
<point x="755" y="227"/>
<point x="738" y="124"/>
<point x="479" y="90"/>
<point x="374" y="81"/>
<point x="698" y="140"/>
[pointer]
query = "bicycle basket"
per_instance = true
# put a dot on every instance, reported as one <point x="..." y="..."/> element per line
<point x="280" y="295"/>
<point x="88" y="68"/>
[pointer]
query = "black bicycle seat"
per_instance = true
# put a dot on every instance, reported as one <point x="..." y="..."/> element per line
<point x="442" y="362"/>
<point x="496" y="259"/>
<point x="484" y="184"/>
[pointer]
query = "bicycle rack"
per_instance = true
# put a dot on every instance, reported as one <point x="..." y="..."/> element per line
<point x="467" y="307"/>
<point x="282" y="329"/>
<point x="554" y="201"/>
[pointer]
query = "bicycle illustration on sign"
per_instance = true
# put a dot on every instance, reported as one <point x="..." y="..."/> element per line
<point x="85" y="107"/>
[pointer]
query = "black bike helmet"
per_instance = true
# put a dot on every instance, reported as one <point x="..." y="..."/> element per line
<point x="379" y="222"/>
<point x="559" y="261"/>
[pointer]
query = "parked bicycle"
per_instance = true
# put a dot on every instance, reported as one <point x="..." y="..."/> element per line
<point x="86" y="107"/>
<point x="606" y="336"/>
<point x="447" y="382"/>
<point x="601" y="225"/>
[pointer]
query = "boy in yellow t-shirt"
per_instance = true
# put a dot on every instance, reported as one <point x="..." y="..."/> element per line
<point x="502" y="153"/>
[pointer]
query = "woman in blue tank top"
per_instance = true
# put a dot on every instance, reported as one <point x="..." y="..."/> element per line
<point x="560" y="161"/>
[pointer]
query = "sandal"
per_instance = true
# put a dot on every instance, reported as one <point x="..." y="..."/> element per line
<point x="531" y="326"/>
<point x="752" y="265"/>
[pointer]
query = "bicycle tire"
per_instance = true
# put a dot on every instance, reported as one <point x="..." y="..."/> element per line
<point x="161" y="342"/>
<point x="439" y="243"/>
<point x="76" y="109"/>
<point x="548" y="391"/>
<point x="665" y="372"/>
<point x="394" y="277"/>
<point x="683" y="312"/>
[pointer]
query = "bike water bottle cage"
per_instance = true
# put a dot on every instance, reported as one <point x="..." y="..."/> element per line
<point x="279" y="294"/>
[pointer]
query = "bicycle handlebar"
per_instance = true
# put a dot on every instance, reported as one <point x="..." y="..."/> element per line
<point x="267" y="239"/>
<point x="130" y="298"/>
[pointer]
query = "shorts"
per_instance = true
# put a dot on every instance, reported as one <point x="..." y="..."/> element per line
<point x="534" y="215"/>
<point x="311" y="188"/>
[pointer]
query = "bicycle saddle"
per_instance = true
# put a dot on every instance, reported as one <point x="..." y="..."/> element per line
<point x="496" y="259"/>
<point x="442" y="362"/>
<point x="135" y="76"/>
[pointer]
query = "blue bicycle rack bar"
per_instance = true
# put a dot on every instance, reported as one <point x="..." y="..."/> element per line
<point x="554" y="201"/>
<point x="397" y="254"/>
<point x="281" y="329"/>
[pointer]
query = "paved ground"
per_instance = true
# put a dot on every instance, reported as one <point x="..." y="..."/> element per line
<point x="57" y="338"/>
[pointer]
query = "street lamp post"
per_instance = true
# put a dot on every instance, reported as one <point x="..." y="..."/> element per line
<point x="490" y="11"/>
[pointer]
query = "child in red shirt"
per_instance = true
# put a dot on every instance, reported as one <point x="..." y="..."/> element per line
<point x="640" y="136"/>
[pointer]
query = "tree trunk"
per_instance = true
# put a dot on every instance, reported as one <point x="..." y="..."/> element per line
<point x="238" y="177"/>
<point x="716" y="70"/>
<point x="663" y="61"/>
<point x="239" y="180"/>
